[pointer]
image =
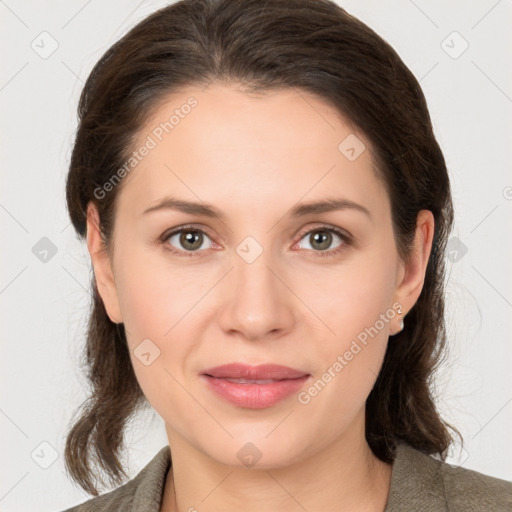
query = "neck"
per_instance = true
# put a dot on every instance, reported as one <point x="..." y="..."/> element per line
<point x="344" y="475"/>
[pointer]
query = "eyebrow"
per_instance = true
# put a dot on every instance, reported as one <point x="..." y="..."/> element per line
<point x="300" y="210"/>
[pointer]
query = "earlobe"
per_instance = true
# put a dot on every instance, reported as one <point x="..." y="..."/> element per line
<point x="399" y="313"/>
<point x="409" y="289"/>
<point x="102" y="265"/>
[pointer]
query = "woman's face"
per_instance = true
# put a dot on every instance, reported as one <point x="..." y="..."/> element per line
<point x="263" y="284"/>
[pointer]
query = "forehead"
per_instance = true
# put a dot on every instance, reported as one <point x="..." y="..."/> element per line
<point x="226" y="117"/>
<point x="230" y="147"/>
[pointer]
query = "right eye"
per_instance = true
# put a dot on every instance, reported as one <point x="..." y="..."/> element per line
<point x="191" y="240"/>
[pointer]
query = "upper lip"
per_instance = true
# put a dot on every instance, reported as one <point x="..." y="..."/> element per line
<point x="260" y="372"/>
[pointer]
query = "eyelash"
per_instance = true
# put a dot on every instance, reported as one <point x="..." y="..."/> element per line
<point x="347" y="240"/>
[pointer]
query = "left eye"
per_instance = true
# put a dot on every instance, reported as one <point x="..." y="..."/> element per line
<point x="323" y="238"/>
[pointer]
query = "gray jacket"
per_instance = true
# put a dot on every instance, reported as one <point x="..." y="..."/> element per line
<point x="419" y="483"/>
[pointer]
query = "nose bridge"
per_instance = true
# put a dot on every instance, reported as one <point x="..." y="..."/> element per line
<point x="258" y="302"/>
<point x="253" y="271"/>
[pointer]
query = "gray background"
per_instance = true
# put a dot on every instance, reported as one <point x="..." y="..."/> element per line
<point x="44" y="298"/>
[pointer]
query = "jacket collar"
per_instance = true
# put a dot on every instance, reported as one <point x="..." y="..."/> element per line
<point x="416" y="482"/>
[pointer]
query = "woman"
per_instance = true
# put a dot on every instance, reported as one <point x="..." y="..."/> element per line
<point x="266" y="209"/>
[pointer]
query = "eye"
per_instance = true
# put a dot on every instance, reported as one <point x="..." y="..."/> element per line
<point x="190" y="239"/>
<point x="321" y="238"/>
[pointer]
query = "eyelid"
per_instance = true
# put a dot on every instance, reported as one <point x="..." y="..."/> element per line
<point x="327" y="227"/>
<point x="185" y="227"/>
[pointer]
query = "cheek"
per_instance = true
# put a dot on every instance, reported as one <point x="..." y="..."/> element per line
<point x="154" y="313"/>
<point x="356" y="305"/>
<point x="159" y="305"/>
<point x="153" y="295"/>
<point x="352" y="297"/>
<point x="145" y="304"/>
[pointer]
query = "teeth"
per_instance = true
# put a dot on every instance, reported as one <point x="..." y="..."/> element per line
<point x="246" y="381"/>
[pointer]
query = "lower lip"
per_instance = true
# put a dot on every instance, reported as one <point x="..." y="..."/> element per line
<point x="255" y="396"/>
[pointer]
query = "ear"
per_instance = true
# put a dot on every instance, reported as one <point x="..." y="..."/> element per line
<point x="102" y="265"/>
<point x="412" y="276"/>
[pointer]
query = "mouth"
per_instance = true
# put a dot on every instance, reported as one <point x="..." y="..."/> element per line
<point x="261" y="373"/>
<point x="246" y="381"/>
<point x="254" y="387"/>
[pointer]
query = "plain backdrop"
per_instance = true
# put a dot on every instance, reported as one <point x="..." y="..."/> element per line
<point x="461" y="53"/>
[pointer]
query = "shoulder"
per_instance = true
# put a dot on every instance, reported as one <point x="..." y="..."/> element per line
<point x="143" y="493"/>
<point x="421" y="482"/>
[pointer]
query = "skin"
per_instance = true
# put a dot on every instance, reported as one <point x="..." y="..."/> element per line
<point x="254" y="157"/>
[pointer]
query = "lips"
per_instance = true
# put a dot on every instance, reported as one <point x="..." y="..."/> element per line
<point x="254" y="387"/>
<point x="242" y="373"/>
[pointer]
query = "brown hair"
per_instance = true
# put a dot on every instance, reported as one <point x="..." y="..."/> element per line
<point x="310" y="45"/>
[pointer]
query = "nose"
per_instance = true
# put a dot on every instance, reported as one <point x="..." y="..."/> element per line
<point x="256" y="303"/>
